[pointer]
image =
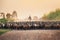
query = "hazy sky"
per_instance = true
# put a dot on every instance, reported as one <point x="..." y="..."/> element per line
<point x="25" y="8"/>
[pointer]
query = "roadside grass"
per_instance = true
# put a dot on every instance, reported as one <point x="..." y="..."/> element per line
<point x="2" y="31"/>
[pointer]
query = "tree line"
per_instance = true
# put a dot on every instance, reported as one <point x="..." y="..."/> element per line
<point x="53" y="15"/>
<point x="8" y="17"/>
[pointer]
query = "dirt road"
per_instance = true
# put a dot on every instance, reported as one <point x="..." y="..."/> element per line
<point x="31" y="35"/>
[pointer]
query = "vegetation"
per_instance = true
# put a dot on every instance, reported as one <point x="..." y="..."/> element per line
<point x="9" y="17"/>
<point x="52" y="15"/>
<point x="29" y="18"/>
<point x="3" y="20"/>
<point x="2" y="31"/>
<point x="44" y="17"/>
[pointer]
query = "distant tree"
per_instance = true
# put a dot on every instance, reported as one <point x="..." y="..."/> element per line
<point x="51" y="15"/>
<point x="3" y="14"/>
<point x="35" y="18"/>
<point x="44" y="17"/>
<point x="3" y="20"/>
<point x="14" y="14"/>
<point x="54" y="15"/>
<point x="8" y="15"/>
<point x="29" y="18"/>
<point x="57" y="11"/>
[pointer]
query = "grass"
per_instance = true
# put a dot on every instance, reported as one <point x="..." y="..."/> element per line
<point x="2" y="31"/>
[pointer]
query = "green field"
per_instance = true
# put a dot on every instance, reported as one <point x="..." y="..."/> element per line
<point x="2" y="31"/>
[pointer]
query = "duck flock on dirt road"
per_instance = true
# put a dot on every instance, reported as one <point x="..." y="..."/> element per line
<point x="31" y="25"/>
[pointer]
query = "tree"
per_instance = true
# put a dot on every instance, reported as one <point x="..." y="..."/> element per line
<point x="14" y="14"/>
<point x="29" y="18"/>
<point x="35" y="18"/>
<point x="44" y="17"/>
<point x="8" y="15"/>
<point x="54" y="15"/>
<point x="3" y="14"/>
<point x="3" y="20"/>
<point x="51" y="15"/>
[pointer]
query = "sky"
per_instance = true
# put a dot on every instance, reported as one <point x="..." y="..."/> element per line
<point x="27" y="8"/>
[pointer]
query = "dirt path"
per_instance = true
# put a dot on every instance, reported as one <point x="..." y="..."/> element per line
<point x="31" y="35"/>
